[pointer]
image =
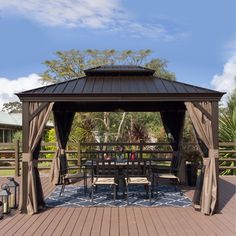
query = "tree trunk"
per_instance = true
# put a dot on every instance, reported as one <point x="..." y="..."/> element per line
<point x="106" y="120"/>
<point x="120" y="125"/>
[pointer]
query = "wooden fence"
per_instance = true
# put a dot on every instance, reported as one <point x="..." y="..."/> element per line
<point x="11" y="153"/>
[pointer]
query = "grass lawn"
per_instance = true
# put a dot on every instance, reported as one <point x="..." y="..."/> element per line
<point x="7" y="172"/>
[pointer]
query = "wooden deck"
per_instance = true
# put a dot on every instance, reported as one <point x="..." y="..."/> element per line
<point x="127" y="221"/>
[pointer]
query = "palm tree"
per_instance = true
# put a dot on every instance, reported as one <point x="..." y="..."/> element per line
<point x="227" y="132"/>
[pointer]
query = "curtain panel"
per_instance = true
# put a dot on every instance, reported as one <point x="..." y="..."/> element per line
<point x="36" y="127"/>
<point x="63" y="122"/>
<point x="200" y="115"/>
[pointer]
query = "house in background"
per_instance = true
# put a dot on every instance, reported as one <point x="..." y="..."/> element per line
<point x="10" y="123"/>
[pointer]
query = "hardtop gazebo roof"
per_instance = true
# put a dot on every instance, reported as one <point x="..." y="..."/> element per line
<point x="120" y="83"/>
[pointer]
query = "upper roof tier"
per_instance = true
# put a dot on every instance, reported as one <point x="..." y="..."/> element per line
<point x="117" y="70"/>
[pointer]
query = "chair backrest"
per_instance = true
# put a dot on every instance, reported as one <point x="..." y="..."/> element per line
<point x="136" y="168"/>
<point x="104" y="168"/>
<point x="63" y="165"/>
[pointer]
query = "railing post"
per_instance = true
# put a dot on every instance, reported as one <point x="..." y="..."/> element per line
<point x="17" y="158"/>
<point x="79" y="157"/>
<point x="141" y="148"/>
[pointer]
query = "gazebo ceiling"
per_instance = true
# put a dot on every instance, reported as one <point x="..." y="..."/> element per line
<point x="120" y="84"/>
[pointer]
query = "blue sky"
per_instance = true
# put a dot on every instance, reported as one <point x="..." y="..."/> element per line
<point x="196" y="37"/>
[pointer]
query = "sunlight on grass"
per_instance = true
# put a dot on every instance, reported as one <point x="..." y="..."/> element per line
<point x="7" y="172"/>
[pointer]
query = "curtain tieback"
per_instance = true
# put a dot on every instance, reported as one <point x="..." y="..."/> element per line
<point x="63" y="152"/>
<point x="213" y="153"/>
<point x="27" y="156"/>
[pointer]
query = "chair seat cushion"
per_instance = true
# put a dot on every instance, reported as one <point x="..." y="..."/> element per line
<point x="167" y="176"/>
<point x="105" y="180"/>
<point x="137" y="180"/>
<point x="74" y="176"/>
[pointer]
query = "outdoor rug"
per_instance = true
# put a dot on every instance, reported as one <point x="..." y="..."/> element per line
<point x="73" y="196"/>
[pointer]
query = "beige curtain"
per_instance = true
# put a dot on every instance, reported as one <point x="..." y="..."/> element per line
<point x="36" y="127"/>
<point x="54" y="174"/>
<point x="203" y="127"/>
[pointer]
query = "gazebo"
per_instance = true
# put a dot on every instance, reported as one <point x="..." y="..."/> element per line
<point x="109" y="88"/>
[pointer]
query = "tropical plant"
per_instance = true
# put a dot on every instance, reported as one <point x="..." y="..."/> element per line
<point x="139" y="133"/>
<point x="83" y="127"/>
<point x="227" y="132"/>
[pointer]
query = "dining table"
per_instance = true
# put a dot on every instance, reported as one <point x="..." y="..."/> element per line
<point x="121" y="164"/>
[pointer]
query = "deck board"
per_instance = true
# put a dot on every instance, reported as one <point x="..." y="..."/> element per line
<point x="54" y="223"/>
<point x="72" y="222"/>
<point x="106" y="220"/>
<point x="96" y="228"/>
<point x="160" y="228"/>
<point x="127" y="221"/>
<point x="142" y="230"/>
<point x="123" y="224"/>
<point x="89" y="222"/>
<point x="48" y="221"/>
<point x="66" y="217"/>
<point x="148" y="222"/>
<point x="132" y="224"/>
<point x="81" y="221"/>
<point x="115" y="221"/>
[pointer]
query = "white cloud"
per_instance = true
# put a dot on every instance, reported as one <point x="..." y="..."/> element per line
<point x="70" y="13"/>
<point x="95" y="14"/>
<point x="9" y="87"/>
<point x="226" y="82"/>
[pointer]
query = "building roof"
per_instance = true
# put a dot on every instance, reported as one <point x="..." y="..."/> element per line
<point x="10" y="119"/>
<point x="119" y="81"/>
<point x="14" y="119"/>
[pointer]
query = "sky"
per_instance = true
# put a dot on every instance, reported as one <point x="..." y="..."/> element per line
<point x="198" y="38"/>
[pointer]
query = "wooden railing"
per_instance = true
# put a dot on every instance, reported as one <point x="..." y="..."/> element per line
<point x="227" y="165"/>
<point x="11" y="154"/>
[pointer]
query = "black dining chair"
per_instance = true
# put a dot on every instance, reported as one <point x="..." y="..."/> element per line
<point x="67" y="178"/>
<point x="137" y="173"/>
<point x="172" y="175"/>
<point x="104" y="173"/>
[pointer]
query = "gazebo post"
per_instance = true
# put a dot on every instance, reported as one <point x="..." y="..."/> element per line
<point x="25" y="149"/>
<point x="215" y="132"/>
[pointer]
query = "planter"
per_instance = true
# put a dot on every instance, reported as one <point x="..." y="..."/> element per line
<point x="192" y="169"/>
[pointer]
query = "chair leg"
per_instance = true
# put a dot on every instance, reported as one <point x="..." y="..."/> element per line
<point x="181" y="194"/>
<point x="85" y="183"/>
<point x="153" y="185"/>
<point x="161" y="193"/>
<point x="92" y="188"/>
<point x="114" y="192"/>
<point x="62" y="189"/>
<point x="149" y="189"/>
<point x="127" y="192"/>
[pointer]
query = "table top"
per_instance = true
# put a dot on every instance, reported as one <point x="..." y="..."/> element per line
<point x="89" y="163"/>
